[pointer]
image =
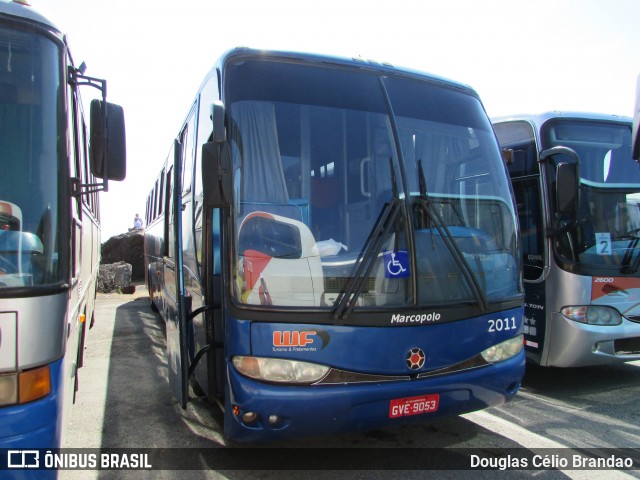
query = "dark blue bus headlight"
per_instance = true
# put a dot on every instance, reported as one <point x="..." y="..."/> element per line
<point x="279" y="370"/>
<point x="504" y="350"/>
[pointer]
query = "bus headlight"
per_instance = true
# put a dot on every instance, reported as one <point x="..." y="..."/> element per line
<point x="279" y="370"/>
<point x="8" y="389"/>
<point x="593" y="315"/>
<point x="504" y="350"/>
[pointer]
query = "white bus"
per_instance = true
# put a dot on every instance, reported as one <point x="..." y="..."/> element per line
<point x="577" y="190"/>
<point x="49" y="223"/>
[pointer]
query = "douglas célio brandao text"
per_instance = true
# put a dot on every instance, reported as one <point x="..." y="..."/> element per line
<point x="571" y="461"/>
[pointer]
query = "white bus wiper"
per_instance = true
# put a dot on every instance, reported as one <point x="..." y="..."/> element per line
<point x="457" y="255"/>
<point x="348" y="297"/>
<point x="626" y="266"/>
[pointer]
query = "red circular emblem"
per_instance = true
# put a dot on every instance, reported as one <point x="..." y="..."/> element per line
<point x="415" y="358"/>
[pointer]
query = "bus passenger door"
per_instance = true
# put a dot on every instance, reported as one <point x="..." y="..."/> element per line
<point x="175" y="308"/>
<point x="529" y="204"/>
<point x="521" y="157"/>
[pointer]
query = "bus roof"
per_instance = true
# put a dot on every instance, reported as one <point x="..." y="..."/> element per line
<point x="541" y="118"/>
<point x="354" y="62"/>
<point x="10" y="8"/>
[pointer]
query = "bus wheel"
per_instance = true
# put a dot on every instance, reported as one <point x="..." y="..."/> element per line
<point x="154" y="307"/>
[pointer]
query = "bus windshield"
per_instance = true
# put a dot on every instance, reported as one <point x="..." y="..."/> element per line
<point x="320" y="153"/>
<point x="29" y="107"/>
<point x="608" y="228"/>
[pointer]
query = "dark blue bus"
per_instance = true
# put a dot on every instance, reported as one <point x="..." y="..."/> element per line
<point x="333" y="245"/>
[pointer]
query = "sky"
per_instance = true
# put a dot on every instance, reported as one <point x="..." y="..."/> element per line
<point x="524" y="56"/>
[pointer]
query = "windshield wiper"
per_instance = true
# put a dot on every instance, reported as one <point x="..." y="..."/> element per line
<point x="625" y="266"/>
<point x="347" y="298"/>
<point x="437" y="221"/>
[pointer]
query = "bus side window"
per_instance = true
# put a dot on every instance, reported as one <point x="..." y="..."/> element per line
<point x="169" y="216"/>
<point x="209" y="94"/>
<point x="187" y="139"/>
<point x="161" y="194"/>
<point x="204" y="125"/>
<point x="155" y="200"/>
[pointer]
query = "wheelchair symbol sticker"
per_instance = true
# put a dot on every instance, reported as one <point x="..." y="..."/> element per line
<point x="396" y="264"/>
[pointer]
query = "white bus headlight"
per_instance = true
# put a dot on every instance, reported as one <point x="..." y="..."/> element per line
<point x="593" y="315"/>
<point x="8" y="389"/>
<point x="279" y="370"/>
<point x="504" y="350"/>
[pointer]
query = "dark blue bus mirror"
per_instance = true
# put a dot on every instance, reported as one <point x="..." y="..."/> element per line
<point x="216" y="162"/>
<point x="107" y="150"/>
<point x="216" y="174"/>
<point x="217" y="117"/>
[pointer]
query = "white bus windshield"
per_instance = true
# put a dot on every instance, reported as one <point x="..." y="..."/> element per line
<point x="29" y="89"/>
<point x="608" y="228"/>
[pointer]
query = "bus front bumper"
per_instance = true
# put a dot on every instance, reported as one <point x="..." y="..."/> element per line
<point x="283" y="412"/>
<point x="35" y="424"/>
<point x="575" y="344"/>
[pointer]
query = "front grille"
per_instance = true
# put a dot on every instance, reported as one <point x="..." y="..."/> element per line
<point x="627" y="346"/>
<point x="336" y="376"/>
<point x="341" y="376"/>
<point x="475" y="362"/>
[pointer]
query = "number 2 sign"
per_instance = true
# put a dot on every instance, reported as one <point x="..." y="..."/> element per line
<point x="603" y="243"/>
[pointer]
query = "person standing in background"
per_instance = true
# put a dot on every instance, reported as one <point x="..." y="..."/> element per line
<point x="137" y="222"/>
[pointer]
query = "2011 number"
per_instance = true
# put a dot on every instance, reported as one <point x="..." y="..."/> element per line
<point x="502" y="324"/>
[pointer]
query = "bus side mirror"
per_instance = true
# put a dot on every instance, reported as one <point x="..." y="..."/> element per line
<point x="216" y="174"/>
<point x="216" y="163"/>
<point x="217" y="118"/>
<point x="635" y="137"/>
<point x="567" y="188"/>
<point x="107" y="150"/>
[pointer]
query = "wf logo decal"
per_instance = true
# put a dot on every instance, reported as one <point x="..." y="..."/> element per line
<point x="300" y="340"/>
<point x="293" y="339"/>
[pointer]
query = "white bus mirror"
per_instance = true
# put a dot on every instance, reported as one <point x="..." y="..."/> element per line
<point x="567" y="189"/>
<point x="567" y="185"/>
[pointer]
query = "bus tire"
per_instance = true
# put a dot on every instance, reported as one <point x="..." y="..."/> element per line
<point x="154" y="307"/>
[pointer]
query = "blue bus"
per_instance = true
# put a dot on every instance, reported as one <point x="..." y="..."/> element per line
<point x="333" y="246"/>
<point x="49" y="223"/>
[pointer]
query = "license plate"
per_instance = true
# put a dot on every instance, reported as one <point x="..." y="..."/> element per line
<point x="403" y="407"/>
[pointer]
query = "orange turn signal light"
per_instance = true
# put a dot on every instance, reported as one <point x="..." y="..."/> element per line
<point x="34" y="384"/>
